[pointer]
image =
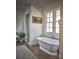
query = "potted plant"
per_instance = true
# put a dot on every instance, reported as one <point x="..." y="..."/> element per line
<point x="21" y="36"/>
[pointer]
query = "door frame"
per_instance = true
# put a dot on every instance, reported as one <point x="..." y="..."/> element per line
<point x="25" y="28"/>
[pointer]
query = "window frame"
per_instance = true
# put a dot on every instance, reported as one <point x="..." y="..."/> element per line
<point x="49" y="29"/>
<point x="54" y="22"/>
<point x="57" y="20"/>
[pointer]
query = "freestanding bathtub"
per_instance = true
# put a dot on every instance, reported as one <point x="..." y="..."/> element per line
<point x="48" y="45"/>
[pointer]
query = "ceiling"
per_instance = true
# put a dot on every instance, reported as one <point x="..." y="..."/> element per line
<point x="23" y="4"/>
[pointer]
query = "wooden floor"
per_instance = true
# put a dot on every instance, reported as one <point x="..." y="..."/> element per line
<point x="40" y="54"/>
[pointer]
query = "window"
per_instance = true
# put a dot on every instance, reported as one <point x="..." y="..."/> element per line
<point x="52" y="21"/>
<point x="57" y="20"/>
<point x="49" y="22"/>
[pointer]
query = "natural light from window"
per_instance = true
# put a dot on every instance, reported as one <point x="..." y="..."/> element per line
<point x="49" y="21"/>
<point x="52" y="21"/>
<point x="57" y="20"/>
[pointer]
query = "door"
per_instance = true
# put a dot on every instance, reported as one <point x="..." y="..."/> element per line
<point x="27" y="27"/>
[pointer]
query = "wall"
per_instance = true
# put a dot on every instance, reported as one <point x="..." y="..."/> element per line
<point x="19" y="21"/>
<point x="61" y="31"/>
<point x="35" y="29"/>
<point x="60" y="36"/>
<point x="46" y="9"/>
<point x="26" y="12"/>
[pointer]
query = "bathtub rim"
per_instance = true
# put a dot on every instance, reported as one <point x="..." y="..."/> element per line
<point x="49" y="37"/>
<point x="47" y="43"/>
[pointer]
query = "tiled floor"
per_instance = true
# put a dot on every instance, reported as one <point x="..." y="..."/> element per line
<point x="40" y="54"/>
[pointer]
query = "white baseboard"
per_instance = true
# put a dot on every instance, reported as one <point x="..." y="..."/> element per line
<point x="47" y="51"/>
<point x="28" y="42"/>
<point x="33" y="43"/>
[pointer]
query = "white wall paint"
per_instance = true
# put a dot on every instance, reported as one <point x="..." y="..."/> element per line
<point x="35" y="29"/>
<point x="27" y="11"/>
<point x="19" y="21"/>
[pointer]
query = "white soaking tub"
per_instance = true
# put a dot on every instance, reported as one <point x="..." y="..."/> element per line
<point x="48" y="45"/>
